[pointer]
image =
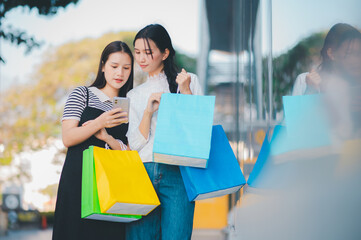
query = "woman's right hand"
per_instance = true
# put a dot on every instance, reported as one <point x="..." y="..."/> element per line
<point x="153" y="102"/>
<point x="113" y="118"/>
<point x="314" y="80"/>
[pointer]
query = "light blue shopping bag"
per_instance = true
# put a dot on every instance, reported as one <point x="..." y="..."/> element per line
<point x="184" y="129"/>
<point x="222" y="176"/>
<point x="307" y="125"/>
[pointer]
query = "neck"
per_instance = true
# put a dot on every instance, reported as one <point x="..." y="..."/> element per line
<point x="110" y="92"/>
<point x="157" y="71"/>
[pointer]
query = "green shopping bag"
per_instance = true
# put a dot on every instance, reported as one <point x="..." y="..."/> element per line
<point x="90" y="208"/>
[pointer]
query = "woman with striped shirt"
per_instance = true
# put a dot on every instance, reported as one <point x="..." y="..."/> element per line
<point x="89" y="119"/>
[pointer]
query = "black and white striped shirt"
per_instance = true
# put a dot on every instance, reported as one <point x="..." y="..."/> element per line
<point x="76" y="102"/>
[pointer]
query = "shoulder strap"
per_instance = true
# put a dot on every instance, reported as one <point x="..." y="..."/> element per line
<point x="87" y="96"/>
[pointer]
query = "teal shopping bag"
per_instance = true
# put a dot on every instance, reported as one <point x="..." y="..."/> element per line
<point x="184" y="130"/>
<point x="307" y="125"/>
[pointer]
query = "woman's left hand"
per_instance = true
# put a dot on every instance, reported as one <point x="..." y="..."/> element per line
<point x="184" y="79"/>
<point x="102" y="134"/>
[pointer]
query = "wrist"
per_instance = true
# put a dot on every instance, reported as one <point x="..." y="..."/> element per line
<point x="147" y="113"/>
<point x="186" y="91"/>
<point x="108" y="138"/>
<point x="100" y="123"/>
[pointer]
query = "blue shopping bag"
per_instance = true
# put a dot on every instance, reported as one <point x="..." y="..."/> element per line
<point x="264" y="155"/>
<point x="222" y="175"/>
<point x="184" y="129"/>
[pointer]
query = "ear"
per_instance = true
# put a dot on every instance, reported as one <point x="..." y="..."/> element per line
<point x="165" y="54"/>
<point x="330" y="54"/>
<point x="103" y="66"/>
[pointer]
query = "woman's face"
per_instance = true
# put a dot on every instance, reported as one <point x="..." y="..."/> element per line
<point x="117" y="69"/>
<point x="348" y="58"/>
<point x="149" y="58"/>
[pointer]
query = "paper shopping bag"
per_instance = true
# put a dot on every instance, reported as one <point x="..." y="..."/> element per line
<point x="307" y="129"/>
<point x="222" y="176"/>
<point x="264" y="156"/>
<point x="90" y="208"/>
<point x="123" y="183"/>
<point x="184" y="129"/>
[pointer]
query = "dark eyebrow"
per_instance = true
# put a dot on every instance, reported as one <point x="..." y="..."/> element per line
<point x="146" y="49"/>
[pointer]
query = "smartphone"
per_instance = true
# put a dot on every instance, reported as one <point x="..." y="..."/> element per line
<point x="121" y="102"/>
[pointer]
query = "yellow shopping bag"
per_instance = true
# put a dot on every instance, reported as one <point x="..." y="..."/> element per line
<point x="123" y="183"/>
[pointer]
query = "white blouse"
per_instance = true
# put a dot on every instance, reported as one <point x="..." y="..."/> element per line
<point x="138" y="102"/>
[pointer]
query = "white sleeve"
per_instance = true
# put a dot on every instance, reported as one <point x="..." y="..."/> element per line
<point x="299" y="88"/>
<point x="135" y="139"/>
<point x="195" y="86"/>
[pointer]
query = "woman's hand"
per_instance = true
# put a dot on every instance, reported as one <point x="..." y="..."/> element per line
<point x="153" y="102"/>
<point x="314" y="80"/>
<point x="184" y="80"/>
<point x="112" y="118"/>
<point x="102" y="134"/>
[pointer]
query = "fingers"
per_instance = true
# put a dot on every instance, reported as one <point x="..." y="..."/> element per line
<point x="183" y="74"/>
<point x="183" y="77"/>
<point x="120" y="115"/>
<point x="115" y="117"/>
<point x="115" y="110"/>
<point x="313" y="78"/>
<point x="115" y="122"/>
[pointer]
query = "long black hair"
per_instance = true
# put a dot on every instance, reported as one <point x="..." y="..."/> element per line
<point x="159" y="35"/>
<point x="338" y="34"/>
<point x="116" y="46"/>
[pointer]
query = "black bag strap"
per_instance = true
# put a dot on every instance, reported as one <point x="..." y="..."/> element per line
<point x="87" y="96"/>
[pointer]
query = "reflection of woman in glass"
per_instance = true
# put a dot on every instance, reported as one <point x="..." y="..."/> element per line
<point x="154" y="53"/>
<point x="89" y="119"/>
<point x="340" y="55"/>
<point x="339" y="77"/>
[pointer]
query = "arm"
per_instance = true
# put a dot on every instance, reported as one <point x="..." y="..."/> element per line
<point x="139" y="127"/>
<point x="72" y="134"/>
<point x="313" y="81"/>
<point x="110" y="141"/>
<point x="299" y="87"/>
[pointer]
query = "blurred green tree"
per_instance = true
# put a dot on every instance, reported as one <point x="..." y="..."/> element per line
<point x="17" y="36"/>
<point x="187" y="62"/>
<point x="303" y="57"/>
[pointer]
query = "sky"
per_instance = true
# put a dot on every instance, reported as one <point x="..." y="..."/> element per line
<point x="292" y="20"/>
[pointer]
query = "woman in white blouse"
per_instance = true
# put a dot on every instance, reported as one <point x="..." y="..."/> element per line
<point x="339" y="78"/>
<point x="154" y="52"/>
<point x="340" y="56"/>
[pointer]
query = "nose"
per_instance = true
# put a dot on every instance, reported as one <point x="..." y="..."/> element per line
<point x="142" y="57"/>
<point x="119" y="72"/>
